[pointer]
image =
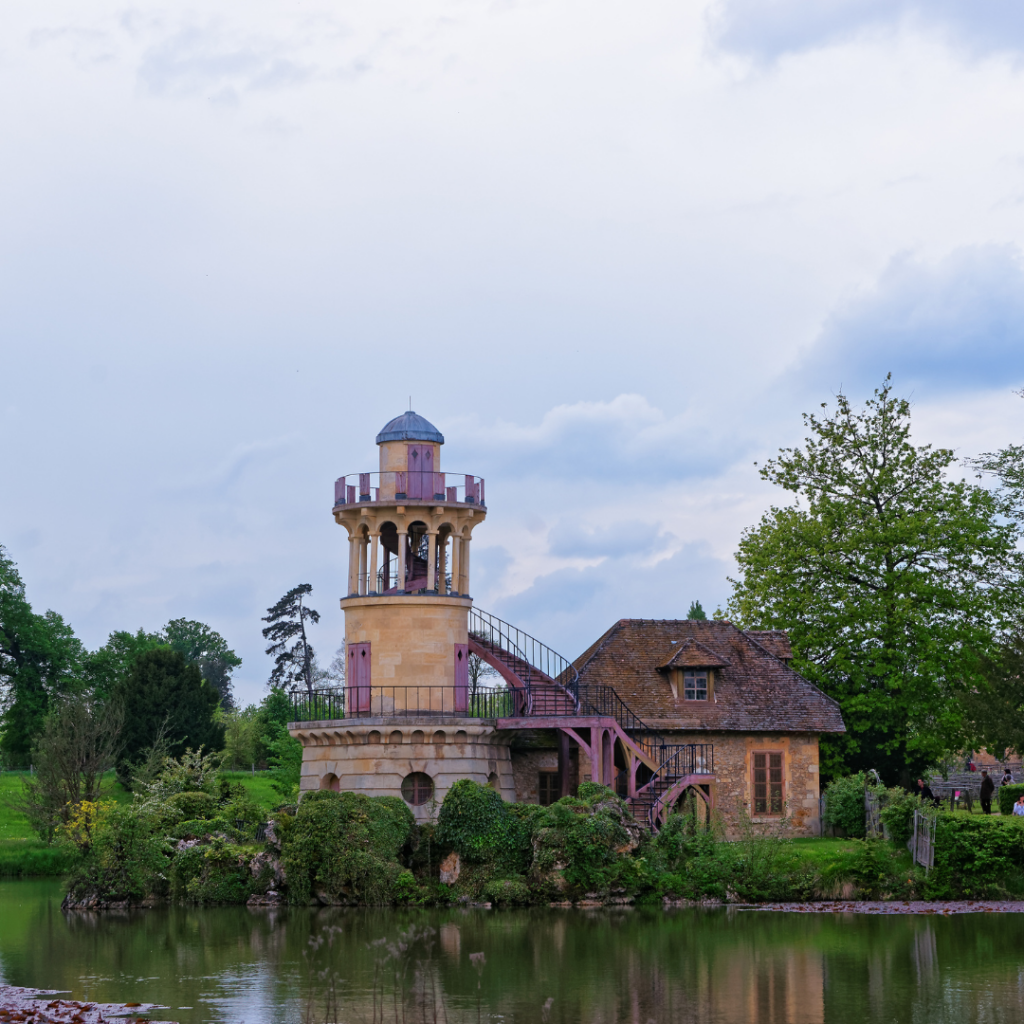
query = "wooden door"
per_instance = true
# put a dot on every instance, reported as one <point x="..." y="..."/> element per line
<point x="358" y="678"/>
<point x="461" y="679"/>
<point x="421" y="471"/>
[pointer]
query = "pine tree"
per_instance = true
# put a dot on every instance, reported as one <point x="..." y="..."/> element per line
<point x="287" y="618"/>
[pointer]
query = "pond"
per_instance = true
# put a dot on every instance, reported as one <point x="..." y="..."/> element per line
<point x="266" y="966"/>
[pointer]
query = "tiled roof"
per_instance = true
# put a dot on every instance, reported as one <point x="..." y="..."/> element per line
<point x="691" y="654"/>
<point x="775" y="640"/>
<point x="754" y="689"/>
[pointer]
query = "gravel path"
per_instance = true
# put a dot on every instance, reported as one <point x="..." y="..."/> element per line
<point x="898" y="907"/>
<point x="40" y="1007"/>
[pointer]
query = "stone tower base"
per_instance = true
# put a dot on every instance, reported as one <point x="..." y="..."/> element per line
<point x="374" y="756"/>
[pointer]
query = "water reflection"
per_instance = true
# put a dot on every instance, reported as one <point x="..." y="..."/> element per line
<point x="566" y="967"/>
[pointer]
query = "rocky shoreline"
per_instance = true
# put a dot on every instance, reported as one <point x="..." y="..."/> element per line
<point x="39" y="1006"/>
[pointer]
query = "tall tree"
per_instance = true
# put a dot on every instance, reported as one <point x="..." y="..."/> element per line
<point x="40" y="657"/>
<point x="106" y="670"/>
<point x="293" y="654"/>
<point x="80" y="742"/>
<point x="206" y="648"/>
<point x="696" y="611"/>
<point x="892" y="579"/>
<point x="165" y="697"/>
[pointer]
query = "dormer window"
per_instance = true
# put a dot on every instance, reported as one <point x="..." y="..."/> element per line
<point x="690" y="671"/>
<point x="695" y="684"/>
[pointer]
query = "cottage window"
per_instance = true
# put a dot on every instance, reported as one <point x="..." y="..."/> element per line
<point x="767" y="770"/>
<point x="547" y="788"/>
<point x="695" y="684"/>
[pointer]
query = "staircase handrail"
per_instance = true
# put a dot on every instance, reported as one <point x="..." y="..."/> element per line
<point x="526" y="649"/>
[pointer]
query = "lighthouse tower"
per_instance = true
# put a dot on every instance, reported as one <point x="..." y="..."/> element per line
<point x="406" y="724"/>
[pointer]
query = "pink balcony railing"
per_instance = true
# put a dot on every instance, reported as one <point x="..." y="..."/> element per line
<point x="411" y="485"/>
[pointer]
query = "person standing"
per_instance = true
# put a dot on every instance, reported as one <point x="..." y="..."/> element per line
<point x="1007" y="779"/>
<point x="924" y="791"/>
<point x="988" y="787"/>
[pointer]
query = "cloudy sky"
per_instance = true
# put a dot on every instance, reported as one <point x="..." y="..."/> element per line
<point x="612" y="250"/>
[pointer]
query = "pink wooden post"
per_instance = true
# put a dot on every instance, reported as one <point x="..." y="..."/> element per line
<point x="439" y="486"/>
<point x="461" y="678"/>
<point x="359" y="677"/>
<point x="453" y="493"/>
<point x="400" y="491"/>
<point x="351" y="493"/>
<point x="480" y="491"/>
<point x="364" y="486"/>
<point x="339" y="491"/>
<point x="470" y="490"/>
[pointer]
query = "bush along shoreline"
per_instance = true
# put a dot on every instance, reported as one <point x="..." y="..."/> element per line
<point x="212" y="845"/>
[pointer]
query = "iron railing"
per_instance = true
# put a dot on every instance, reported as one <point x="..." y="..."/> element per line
<point x="406" y="702"/>
<point x="410" y="485"/>
<point x="524" y="655"/>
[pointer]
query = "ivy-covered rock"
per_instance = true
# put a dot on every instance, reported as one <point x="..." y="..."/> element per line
<point x="344" y="848"/>
<point x="585" y="842"/>
<point x="481" y="827"/>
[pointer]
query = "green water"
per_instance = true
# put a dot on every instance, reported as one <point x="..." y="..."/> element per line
<point x="566" y="967"/>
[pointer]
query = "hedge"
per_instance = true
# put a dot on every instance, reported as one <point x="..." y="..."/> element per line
<point x="1008" y="796"/>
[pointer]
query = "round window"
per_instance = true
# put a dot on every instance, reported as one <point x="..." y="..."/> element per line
<point x="417" y="788"/>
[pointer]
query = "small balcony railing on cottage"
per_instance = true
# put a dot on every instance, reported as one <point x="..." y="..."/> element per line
<point x="409" y="485"/>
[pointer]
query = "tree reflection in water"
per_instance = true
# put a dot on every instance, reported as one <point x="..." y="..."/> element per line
<point x="637" y="966"/>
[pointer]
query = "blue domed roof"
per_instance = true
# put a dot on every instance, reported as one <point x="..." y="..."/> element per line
<point x="410" y="427"/>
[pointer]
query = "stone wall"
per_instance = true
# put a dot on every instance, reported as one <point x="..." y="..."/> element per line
<point x="374" y="757"/>
<point x="734" y="786"/>
<point x="534" y="751"/>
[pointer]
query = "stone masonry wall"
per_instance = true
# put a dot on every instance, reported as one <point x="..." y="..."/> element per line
<point x="733" y="770"/>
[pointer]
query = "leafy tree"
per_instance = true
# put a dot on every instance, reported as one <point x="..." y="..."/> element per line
<point x="478" y="670"/>
<point x="165" y="696"/>
<point x="40" y="657"/>
<point x="106" y="670"/>
<point x="200" y="645"/>
<point x="283" y="751"/>
<point x="79" y="743"/>
<point x="996" y="709"/>
<point x="696" y="612"/>
<point x="287" y="618"/>
<point x="892" y="579"/>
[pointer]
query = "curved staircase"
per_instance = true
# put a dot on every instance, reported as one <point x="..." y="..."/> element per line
<point x="547" y="685"/>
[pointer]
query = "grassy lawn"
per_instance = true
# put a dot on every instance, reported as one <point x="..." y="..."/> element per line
<point x="258" y="786"/>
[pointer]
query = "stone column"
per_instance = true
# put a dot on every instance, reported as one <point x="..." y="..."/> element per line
<point x="564" y="763"/>
<point x="431" y="559"/>
<point x="465" y="562"/>
<point x="402" y="536"/>
<point x="442" y="565"/>
<point x="374" y="545"/>
<point x="362" y="566"/>
<point x="456" y="562"/>
<point x="353" y="564"/>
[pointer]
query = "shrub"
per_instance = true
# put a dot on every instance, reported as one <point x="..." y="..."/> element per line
<point x="481" y="828"/>
<point x="191" y="805"/>
<point x="509" y="892"/>
<point x="898" y="814"/>
<point x="977" y="855"/>
<point x="344" y="847"/>
<point x="126" y="860"/>
<point x="844" y="805"/>
<point x="1008" y="796"/>
<point x="215" y="873"/>
<point x="584" y="840"/>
